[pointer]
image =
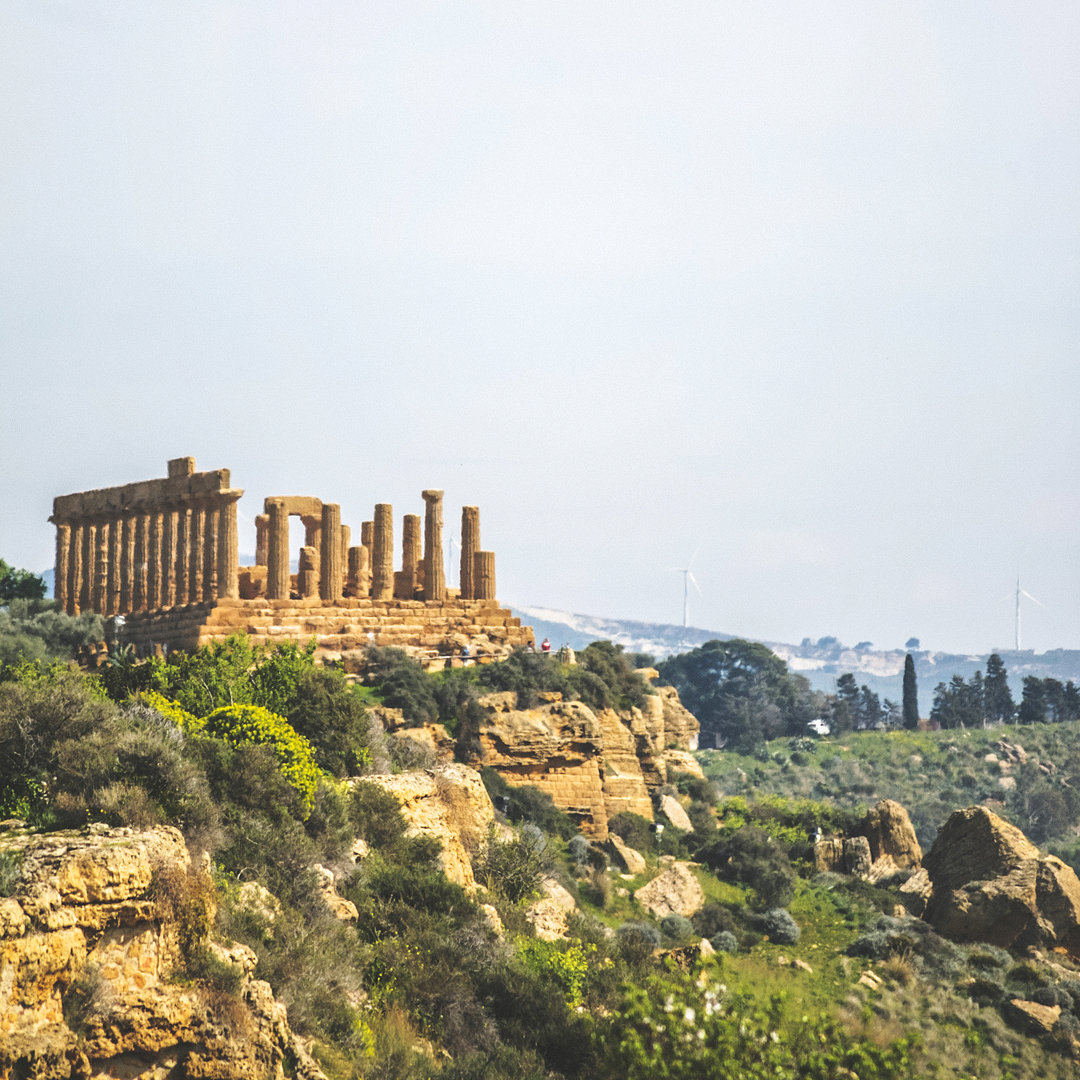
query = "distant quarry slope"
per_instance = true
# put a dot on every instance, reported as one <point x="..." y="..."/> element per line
<point x="820" y="662"/>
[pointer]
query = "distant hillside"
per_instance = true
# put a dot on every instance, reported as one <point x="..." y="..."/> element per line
<point x="821" y="662"/>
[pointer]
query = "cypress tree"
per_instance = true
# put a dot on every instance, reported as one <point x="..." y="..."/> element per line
<point x="999" y="701"/>
<point x="911" y="696"/>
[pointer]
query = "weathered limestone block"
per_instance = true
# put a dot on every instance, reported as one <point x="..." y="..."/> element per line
<point x="843" y="855"/>
<point x="626" y="858"/>
<point x="382" y="568"/>
<point x="183" y="543"/>
<point x="673" y="811"/>
<point x="470" y="545"/>
<point x="675" y="891"/>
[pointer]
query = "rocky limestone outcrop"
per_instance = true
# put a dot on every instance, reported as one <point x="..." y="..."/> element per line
<point x="593" y="764"/>
<point x="449" y="803"/>
<point x="83" y="931"/>
<point x="991" y="884"/>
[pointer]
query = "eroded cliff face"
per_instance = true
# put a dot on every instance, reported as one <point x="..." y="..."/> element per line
<point x="87" y="949"/>
<point x="593" y="764"/>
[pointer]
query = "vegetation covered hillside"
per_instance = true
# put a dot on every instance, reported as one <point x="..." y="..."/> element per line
<point x="755" y="965"/>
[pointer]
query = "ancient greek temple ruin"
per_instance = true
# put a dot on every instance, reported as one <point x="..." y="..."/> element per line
<point x="161" y="558"/>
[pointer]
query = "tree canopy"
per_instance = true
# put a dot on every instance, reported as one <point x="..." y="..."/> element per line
<point x="741" y="692"/>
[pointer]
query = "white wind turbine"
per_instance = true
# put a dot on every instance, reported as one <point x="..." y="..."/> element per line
<point x="687" y="578"/>
<point x="1022" y="592"/>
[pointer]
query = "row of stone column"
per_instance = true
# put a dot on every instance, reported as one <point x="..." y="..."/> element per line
<point x="148" y="560"/>
<point x="368" y="568"/>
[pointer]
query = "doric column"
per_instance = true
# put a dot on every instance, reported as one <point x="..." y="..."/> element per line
<point x="154" y="573"/>
<point x="116" y="537"/>
<point x="382" y="561"/>
<point x="210" y="555"/>
<point x="142" y="549"/>
<point x="262" y="539"/>
<point x="346" y="537"/>
<point x="183" y="544"/>
<point x="75" y="569"/>
<point x="484" y="574"/>
<point x="277" y="551"/>
<point x="228" y="578"/>
<point x="312" y="530"/>
<point x="61" y="588"/>
<point x="127" y="563"/>
<point x="307" y="580"/>
<point x="405" y="579"/>
<point x="470" y="545"/>
<point x="86" y="586"/>
<point x="168" y="558"/>
<point x="101" y="567"/>
<point x="359" y="580"/>
<point x="434" y="576"/>
<point x="331" y="572"/>
<point x="196" y="554"/>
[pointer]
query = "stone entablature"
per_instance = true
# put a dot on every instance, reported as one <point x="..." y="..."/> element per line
<point x="164" y="555"/>
<point x="149" y="545"/>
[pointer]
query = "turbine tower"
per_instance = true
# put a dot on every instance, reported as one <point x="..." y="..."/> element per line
<point x="1022" y="592"/>
<point x="687" y="578"/>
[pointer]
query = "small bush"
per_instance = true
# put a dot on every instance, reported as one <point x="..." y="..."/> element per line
<point x="10" y="872"/>
<point x="986" y="990"/>
<point x="725" y="942"/>
<point x="781" y="928"/>
<point x="186" y="900"/>
<point x="637" y="941"/>
<point x="515" y="868"/>
<point x="578" y="851"/>
<point x="239" y="724"/>
<point x="1053" y="995"/>
<point x="712" y="919"/>
<point x="633" y="830"/>
<point x="677" y="928"/>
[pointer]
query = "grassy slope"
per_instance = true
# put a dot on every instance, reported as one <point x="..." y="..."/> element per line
<point x="931" y="773"/>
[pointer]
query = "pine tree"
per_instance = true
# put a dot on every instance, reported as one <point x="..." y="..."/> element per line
<point x="911" y="695"/>
<point x="999" y="700"/>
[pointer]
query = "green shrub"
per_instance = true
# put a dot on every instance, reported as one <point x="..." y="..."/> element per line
<point x="515" y="868"/>
<point x="712" y="919"/>
<point x="780" y="926"/>
<point x="725" y="942"/>
<point x="634" y="830"/>
<point x="529" y="804"/>
<point x="637" y="942"/>
<point x="10" y="872"/>
<point x="677" y="928"/>
<point x="239" y="724"/>
<point x="748" y="855"/>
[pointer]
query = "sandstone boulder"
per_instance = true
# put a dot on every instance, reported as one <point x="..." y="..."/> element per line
<point x="626" y="858"/>
<point x="889" y="830"/>
<point x="675" y="891"/>
<point x="843" y="855"/>
<point x="672" y="809"/>
<point x="991" y="884"/>
<point x="1031" y="1017"/>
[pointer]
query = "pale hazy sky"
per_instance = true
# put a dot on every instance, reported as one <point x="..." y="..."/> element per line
<point x="794" y="285"/>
